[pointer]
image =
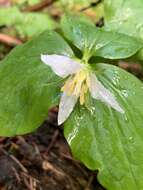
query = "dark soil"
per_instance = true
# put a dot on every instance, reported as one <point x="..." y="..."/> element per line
<point x="42" y="161"/>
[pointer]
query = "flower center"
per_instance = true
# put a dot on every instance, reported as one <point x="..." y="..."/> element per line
<point x="77" y="85"/>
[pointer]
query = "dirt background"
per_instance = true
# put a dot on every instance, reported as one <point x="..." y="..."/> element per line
<point x="43" y="161"/>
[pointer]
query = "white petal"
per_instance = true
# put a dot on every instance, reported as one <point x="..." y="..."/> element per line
<point x="61" y="65"/>
<point x="66" y="106"/>
<point x="98" y="91"/>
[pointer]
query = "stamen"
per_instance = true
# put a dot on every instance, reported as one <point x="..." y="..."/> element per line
<point x="81" y="98"/>
<point x="71" y="87"/>
<point x="88" y="80"/>
<point x="84" y="90"/>
<point x="77" y="85"/>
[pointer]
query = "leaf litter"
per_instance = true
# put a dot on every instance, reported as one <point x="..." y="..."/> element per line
<point x="42" y="161"/>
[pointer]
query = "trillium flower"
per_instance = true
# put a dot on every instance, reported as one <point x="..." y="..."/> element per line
<point x="80" y="80"/>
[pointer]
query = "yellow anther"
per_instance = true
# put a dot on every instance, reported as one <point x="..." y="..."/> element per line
<point x="81" y="75"/>
<point x="88" y="80"/>
<point x="77" y="85"/>
<point x="84" y="90"/>
<point x="81" y="98"/>
<point x="71" y="87"/>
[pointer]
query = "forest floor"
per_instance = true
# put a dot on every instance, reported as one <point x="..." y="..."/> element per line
<point x="43" y="161"/>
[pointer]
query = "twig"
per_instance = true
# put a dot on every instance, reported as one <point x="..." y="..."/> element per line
<point x="89" y="182"/>
<point x="16" y="175"/>
<point x="17" y="161"/>
<point x="33" y="184"/>
<point x="30" y="182"/>
<point x="94" y="4"/>
<point x="75" y="162"/>
<point x="9" y="40"/>
<point x="130" y="66"/>
<point x="54" y="138"/>
<point x="57" y="171"/>
<point x="39" y="6"/>
<point x="27" y="184"/>
<point x="46" y="165"/>
<point x="29" y="176"/>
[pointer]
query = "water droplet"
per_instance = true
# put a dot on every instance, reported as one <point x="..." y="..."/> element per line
<point x="125" y="93"/>
<point x="92" y="110"/>
<point x="126" y="118"/>
<point x="72" y="135"/>
<point x="131" y="139"/>
<point x="78" y="120"/>
<point x="138" y="26"/>
<point x="127" y="13"/>
<point x="120" y="23"/>
<point x="98" y="46"/>
<point x="116" y="78"/>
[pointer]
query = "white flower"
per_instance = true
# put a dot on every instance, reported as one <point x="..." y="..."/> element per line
<point x="81" y="79"/>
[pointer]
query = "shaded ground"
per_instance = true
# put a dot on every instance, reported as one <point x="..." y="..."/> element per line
<point x="42" y="161"/>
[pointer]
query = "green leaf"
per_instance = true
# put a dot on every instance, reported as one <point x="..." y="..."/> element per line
<point x="28" y="88"/>
<point x="79" y="31"/>
<point x="107" y="140"/>
<point x="27" y="24"/>
<point x="97" y="42"/>
<point x="124" y="16"/>
<point x="113" y="45"/>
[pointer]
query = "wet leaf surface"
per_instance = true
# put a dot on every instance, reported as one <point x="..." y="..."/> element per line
<point x="107" y="140"/>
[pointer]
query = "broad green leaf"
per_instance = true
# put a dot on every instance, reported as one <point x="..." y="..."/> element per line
<point x="106" y="140"/>
<point x="112" y="45"/>
<point x="124" y="16"/>
<point x="28" y="88"/>
<point x="79" y="31"/>
<point x="27" y="24"/>
<point x="97" y="42"/>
